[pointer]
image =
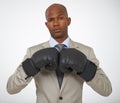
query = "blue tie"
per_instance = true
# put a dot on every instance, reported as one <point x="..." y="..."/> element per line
<point x="59" y="74"/>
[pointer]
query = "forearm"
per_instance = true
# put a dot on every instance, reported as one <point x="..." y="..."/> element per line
<point x="17" y="81"/>
<point x="100" y="83"/>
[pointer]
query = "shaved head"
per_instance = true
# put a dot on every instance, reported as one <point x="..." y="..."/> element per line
<point x="54" y="7"/>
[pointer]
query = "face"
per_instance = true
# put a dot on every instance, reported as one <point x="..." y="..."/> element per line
<point x="57" y="22"/>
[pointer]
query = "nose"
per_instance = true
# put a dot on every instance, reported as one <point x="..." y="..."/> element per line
<point x="56" y="22"/>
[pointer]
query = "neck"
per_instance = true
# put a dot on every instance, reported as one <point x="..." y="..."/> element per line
<point x="60" y="40"/>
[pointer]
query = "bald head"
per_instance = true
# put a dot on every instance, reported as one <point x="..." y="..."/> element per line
<point x="56" y="8"/>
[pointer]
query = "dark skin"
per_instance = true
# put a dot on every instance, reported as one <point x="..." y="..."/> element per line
<point x="57" y="22"/>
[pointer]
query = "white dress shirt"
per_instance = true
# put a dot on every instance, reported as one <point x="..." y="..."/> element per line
<point x="53" y="42"/>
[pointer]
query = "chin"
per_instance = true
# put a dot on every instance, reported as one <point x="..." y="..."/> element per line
<point x="57" y="36"/>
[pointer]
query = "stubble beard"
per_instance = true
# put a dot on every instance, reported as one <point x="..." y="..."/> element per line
<point x="59" y="36"/>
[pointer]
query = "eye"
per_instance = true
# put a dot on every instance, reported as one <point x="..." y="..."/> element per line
<point x="61" y="18"/>
<point x="50" y="20"/>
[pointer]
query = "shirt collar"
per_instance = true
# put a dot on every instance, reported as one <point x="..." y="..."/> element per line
<point x="53" y="42"/>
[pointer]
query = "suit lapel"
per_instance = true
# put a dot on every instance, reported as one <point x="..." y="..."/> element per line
<point x="73" y="44"/>
<point x="46" y="44"/>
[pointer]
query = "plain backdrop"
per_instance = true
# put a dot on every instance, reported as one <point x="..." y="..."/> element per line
<point x="95" y="23"/>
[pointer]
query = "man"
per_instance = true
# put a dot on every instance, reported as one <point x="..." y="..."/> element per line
<point x="60" y="70"/>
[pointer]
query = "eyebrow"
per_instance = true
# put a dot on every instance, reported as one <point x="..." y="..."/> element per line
<point x="57" y="16"/>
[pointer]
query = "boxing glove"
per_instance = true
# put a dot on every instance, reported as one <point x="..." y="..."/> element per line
<point x="72" y="59"/>
<point x="47" y="58"/>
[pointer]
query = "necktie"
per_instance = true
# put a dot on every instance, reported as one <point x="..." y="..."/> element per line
<point x="59" y="74"/>
<point x="59" y="47"/>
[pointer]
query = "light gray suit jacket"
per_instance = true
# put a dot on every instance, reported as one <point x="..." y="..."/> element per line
<point x="47" y="88"/>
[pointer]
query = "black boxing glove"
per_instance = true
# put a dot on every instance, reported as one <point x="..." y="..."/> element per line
<point x="72" y="59"/>
<point x="47" y="58"/>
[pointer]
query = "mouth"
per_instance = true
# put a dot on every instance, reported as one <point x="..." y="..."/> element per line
<point x="57" y="30"/>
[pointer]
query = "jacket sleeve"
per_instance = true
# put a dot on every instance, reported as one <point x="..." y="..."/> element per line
<point x="100" y="83"/>
<point x="17" y="81"/>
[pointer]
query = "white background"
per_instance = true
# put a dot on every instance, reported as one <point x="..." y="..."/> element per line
<point x="95" y="23"/>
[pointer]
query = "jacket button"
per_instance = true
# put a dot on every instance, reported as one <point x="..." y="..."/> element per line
<point x="60" y="98"/>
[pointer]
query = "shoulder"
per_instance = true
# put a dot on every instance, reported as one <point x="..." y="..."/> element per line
<point x="80" y="46"/>
<point x="87" y="50"/>
<point x="37" y="47"/>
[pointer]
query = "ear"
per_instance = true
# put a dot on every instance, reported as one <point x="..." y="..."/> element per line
<point x="46" y="24"/>
<point x="69" y="21"/>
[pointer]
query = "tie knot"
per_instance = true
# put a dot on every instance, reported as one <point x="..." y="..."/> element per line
<point x="59" y="47"/>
